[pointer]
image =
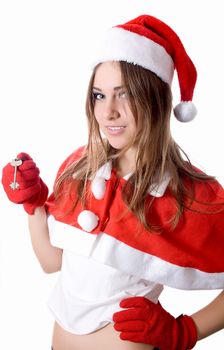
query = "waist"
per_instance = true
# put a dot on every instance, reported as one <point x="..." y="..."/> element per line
<point x="104" y="338"/>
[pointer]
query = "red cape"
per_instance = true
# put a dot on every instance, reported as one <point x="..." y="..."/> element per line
<point x="193" y="252"/>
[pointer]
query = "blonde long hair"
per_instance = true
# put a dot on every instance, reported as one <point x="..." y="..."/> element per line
<point x="151" y="103"/>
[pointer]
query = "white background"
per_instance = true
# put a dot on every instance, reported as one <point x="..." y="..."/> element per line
<point x="45" y="55"/>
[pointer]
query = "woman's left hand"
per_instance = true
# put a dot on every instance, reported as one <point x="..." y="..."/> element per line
<point x="146" y="322"/>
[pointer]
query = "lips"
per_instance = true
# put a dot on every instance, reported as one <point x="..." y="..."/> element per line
<point x="115" y="130"/>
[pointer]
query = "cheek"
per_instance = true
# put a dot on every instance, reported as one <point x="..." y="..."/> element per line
<point x="98" y="117"/>
<point x="97" y="112"/>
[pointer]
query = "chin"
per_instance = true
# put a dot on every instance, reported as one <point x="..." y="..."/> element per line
<point x="117" y="145"/>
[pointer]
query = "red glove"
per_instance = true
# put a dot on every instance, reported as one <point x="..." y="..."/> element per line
<point x="29" y="189"/>
<point x="148" y="323"/>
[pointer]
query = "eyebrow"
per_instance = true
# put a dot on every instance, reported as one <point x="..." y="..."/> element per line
<point x="115" y="88"/>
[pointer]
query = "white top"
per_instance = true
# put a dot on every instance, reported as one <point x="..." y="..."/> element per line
<point x="88" y="292"/>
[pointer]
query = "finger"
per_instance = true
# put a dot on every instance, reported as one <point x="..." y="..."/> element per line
<point x="130" y="326"/>
<point x="24" y="156"/>
<point x="27" y="194"/>
<point x="27" y="164"/>
<point x="28" y="174"/>
<point x="24" y="179"/>
<point x="22" y="196"/>
<point x="9" y="169"/>
<point x="135" y="302"/>
<point x="25" y="185"/>
<point x="136" y="337"/>
<point x="131" y="314"/>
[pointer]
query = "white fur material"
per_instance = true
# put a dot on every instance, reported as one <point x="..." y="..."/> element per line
<point x="87" y="220"/>
<point x="157" y="189"/>
<point x="105" y="170"/>
<point x="98" y="187"/>
<point x="185" y="111"/>
<point x="108" y="250"/>
<point x="123" y="45"/>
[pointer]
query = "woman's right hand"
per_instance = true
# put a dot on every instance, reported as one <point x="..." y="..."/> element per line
<point x="27" y="188"/>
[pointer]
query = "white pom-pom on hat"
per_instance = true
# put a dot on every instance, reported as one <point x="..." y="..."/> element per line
<point x="185" y="111"/>
<point x="98" y="187"/>
<point x="87" y="220"/>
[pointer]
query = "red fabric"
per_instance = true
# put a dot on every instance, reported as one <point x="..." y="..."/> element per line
<point x="148" y="323"/>
<point x="196" y="242"/>
<point x="153" y="29"/>
<point x="159" y="32"/>
<point x="32" y="191"/>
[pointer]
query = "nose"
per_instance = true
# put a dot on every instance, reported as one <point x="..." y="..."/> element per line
<point x="110" y="111"/>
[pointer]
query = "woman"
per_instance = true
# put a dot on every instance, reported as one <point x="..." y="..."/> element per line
<point x="129" y="212"/>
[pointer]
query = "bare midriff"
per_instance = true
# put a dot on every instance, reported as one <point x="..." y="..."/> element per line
<point x="104" y="338"/>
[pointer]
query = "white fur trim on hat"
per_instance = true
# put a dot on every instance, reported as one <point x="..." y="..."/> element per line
<point x="123" y="45"/>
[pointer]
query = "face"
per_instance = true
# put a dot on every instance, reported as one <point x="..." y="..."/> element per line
<point x="111" y="106"/>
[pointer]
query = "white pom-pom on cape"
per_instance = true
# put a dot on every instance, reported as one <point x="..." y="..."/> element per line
<point x="185" y="111"/>
<point x="87" y="220"/>
<point x="98" y="187"/>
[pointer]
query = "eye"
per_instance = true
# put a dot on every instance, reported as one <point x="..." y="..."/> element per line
<point x="123" y="94"/>
<point x="97" y="96"/>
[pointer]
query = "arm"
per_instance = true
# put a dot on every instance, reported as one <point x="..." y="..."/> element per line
<point x="49" y="257"/>
<point x="23" y="185"/>
<point x="210" y="319"/>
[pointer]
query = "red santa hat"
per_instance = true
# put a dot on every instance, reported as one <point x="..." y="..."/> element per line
<point x="152" y="44"/>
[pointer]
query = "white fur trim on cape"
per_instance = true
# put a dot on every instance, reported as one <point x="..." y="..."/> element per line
<point x="98" y="187"/>
<point x="110" y="251"/>
<point x="156" y="189"/>
<point x="123" y="45"/>
<point x="105" y="171"/>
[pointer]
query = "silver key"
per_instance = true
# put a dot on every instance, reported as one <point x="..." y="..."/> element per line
<point x="15" y="162"/>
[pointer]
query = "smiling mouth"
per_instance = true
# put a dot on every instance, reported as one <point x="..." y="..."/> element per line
<point x="115" y="128"/>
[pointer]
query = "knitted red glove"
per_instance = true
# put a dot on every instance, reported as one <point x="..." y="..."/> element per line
<point x="148" y="323"/>
<point x="30" y="191"/>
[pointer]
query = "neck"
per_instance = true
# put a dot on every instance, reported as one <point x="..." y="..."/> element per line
<point x="126" y="163"/>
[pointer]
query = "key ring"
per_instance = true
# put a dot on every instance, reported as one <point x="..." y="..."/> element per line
<point x="15" y="162"/>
